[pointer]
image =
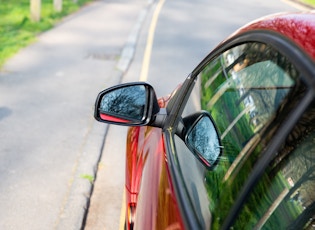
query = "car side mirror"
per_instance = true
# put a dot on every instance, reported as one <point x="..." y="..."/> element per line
<point x="130" y="104"/>
<point x="203" y="139"/>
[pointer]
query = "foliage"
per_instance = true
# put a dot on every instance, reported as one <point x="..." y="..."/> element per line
<point x="88" y="177"/>
<point x="310" y="2"/>
<point x="16" y="28"/>
<point x="243" y="90"/>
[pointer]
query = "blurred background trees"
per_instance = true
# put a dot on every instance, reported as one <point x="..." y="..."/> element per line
<point x="35" y="8"/>
<point x="22" y="20"/>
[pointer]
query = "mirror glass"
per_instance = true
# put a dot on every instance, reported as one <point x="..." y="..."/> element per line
<point x="204" y="140"/>
<point x="126" y="104"/>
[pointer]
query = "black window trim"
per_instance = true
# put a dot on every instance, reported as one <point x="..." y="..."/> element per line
<point x="282" y="44"/>
<point x="303" y="63"/>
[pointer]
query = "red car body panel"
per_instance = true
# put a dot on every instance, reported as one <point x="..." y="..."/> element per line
<point x="298" y="27"/>
<point x="148" y="184"/>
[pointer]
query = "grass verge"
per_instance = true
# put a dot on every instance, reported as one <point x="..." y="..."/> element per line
<point x="16" y="28"/>
<point x="309" y="2"/>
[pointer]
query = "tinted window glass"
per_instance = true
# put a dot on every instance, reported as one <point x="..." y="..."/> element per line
<point x="244" y="89"/>
<point x="285" y="196"/>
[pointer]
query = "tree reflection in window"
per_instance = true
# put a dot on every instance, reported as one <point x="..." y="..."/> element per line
<point x="204" y="138"/>
<point x="127" y="102"/>
<point x="285" y="196"/>
<point x="243" y="89"/>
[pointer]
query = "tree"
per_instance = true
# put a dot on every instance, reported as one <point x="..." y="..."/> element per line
<point x="35" y="8"/>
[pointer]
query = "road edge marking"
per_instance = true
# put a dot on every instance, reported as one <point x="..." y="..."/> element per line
<point x="150" y="39"/>
<point x="122" y="218"/>
<point x="143" y="77"/>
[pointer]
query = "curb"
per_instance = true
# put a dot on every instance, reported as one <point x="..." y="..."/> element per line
<point x="128" y="51"/>
<point x="126" y="57"/>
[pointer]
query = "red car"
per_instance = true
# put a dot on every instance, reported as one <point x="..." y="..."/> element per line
<point x="234" y="146"/>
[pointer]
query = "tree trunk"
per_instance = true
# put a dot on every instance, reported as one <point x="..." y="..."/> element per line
<point x="35" y="8"/>
<point x="58" y="5"/>
<point x="271" y="209"/>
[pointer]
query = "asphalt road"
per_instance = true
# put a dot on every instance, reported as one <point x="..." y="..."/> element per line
<point x="50" y="145"/>
<point x="186" y="31"/>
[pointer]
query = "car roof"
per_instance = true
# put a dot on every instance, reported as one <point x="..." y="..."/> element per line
<point x="297" y="27"/>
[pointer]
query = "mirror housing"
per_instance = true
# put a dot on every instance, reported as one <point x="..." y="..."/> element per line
<point x="131" y="104"/>
<point x="203" y="139"/>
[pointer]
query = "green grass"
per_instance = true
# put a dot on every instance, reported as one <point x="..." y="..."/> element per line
<point x="16" y="28"/>
<point x="310" y="2"/>
<point x="88" y="177"/>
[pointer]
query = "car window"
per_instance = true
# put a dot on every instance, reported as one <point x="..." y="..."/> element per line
<point x="285" y="196"/>
<point x="245" y="89"/>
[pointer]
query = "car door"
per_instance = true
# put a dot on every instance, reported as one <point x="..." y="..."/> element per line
<point x="256" y="89"/>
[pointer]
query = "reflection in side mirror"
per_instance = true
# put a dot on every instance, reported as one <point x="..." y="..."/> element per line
<point x="203" y="140"/>
<point x="127" y="104"/>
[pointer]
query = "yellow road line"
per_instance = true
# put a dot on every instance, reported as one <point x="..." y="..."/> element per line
<point x="148" y="48"/>
<point x="143" y="77"/>
<point x="123" y="212"/>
